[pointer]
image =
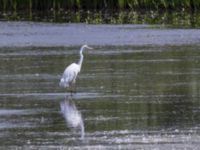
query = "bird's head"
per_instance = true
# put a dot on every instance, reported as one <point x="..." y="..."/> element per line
<point x="86" y="46"/>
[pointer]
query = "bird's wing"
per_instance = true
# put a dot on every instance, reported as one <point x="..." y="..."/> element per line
<point x="69" y="75"/>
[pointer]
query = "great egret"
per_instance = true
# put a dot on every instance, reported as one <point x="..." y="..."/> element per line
<point x="71" y="72"/>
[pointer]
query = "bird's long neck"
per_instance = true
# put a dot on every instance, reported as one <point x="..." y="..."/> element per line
<point x="81" y="57"/>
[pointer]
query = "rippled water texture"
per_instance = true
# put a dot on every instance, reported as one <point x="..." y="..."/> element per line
<point x="141" y="91"/>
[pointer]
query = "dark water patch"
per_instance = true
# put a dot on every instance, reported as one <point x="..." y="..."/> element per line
<point x="53" y="96"/>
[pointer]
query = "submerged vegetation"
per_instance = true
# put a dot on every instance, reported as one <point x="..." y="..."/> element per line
<point x="177" y="12"/>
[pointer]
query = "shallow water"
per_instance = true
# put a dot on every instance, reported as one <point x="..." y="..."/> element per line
<point x="29" y="34"/>
<point x="129" y="96"/>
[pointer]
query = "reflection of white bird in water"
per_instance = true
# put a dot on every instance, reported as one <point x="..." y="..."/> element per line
<point x="71" y="72"/>
<point x="72" y="116"/>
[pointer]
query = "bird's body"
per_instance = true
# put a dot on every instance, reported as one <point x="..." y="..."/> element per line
<point x="71" y="72"/>
<point x="69" y="75"/>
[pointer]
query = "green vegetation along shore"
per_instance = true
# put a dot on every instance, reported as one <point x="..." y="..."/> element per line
<point x="180" y="13"/>
<point x="6" y="5"/>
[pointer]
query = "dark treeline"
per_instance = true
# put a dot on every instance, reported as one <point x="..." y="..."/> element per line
<point x="42" y="5"/>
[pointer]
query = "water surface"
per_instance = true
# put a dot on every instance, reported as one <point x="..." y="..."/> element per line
<point x="129" y="96"/>
<point x="29" y="34"/>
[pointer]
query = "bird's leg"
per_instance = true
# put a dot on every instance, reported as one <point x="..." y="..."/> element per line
<point x="71" y="91"/>
<point x="74" y="87"/>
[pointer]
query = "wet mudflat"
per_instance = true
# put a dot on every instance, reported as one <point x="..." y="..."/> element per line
<point x="129" y="96"/>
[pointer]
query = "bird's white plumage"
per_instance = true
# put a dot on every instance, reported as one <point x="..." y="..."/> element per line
<point x="69" y="75"/>
<point x="71" y="72"/>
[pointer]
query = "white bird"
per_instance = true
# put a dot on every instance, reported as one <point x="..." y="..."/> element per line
<point x="71" y="72"/>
